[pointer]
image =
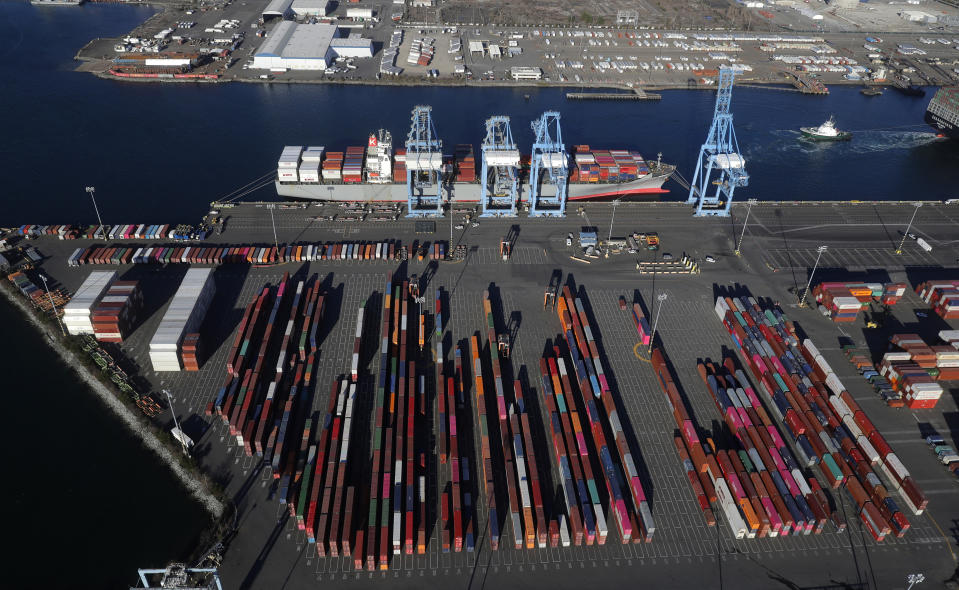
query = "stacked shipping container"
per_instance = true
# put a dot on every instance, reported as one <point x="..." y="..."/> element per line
<point x="184" y="315"/>
<point x="829" y="429"/>
<point x="914" y="369"/>
<point x="77" y="313"/>
<point x="117" y="312"/>
<point x="943" y="295"/>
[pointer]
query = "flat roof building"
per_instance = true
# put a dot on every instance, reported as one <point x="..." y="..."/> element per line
<point x="277" y="9"/>
<point x="292" y="46"/>
<point x="352" y="47"/>
<point x="311" y="7"/>
<point x="296" y="47"/>
<point x="526" y="73"/>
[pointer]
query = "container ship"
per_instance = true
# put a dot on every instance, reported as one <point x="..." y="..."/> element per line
<point x="376" y="173"/>
<point x="943" y="112"/>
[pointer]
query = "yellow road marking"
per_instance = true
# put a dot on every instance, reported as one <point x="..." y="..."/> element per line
<point x="944" y="537"/>
<point x="636" y="353"/>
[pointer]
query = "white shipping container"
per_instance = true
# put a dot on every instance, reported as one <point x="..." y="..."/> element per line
<point x="184" y="315"/>
<point x="896" y="467"/>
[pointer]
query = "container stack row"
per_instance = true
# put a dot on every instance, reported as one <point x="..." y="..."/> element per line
<point x="517" y="458"/>
<point x="818" y="414"/>
<point x="63" y="232"/>
<point x="310" y="162"/>
<point x="628" y="503"/>
<point x="353" y="164"/>
<point x="190" y="352"/>
<point x="942" y="295"/>
<point x="184" y="316"/>
<point x="115" y="316"/>
<point x="117" y="255"/>
<point x="886" y="293"/>
<point x="27" y="287"/>
<point x="287" y="168"/>
<point x="464" y="163"/>
<point x="333" y="166"/>
<point x="399" y="166"/>
<point x="606" y="165"/>
<point x="914" y="368"/>
<point x="772" y="482"/>
<point x="78" y="313"/>
<point x="642" y="325"/>
<point x="486" y="453"/>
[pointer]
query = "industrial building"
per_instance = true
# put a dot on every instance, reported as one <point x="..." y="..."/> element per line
<point x="918" y="16"/>
<point x="352" y="46"/>
<point x="526" y="73"/>
<point x="359" y="13"/>
<point x="292" y="46"/>
<point x="311" y="7"/>
<point x="277" y="9"/>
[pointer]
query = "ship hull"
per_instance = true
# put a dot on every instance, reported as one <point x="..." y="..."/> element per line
<point x="810" y="133"/>
<point x="942" y="126"/>
<point x="647" y="188"/>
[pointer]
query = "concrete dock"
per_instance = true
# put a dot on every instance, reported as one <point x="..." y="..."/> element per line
<point x="778" y="252"/>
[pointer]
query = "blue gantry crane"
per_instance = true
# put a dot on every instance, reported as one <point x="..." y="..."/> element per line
<point x="721" y="154"/>
<point x="549" y="171"/>
<point x="424" y="165"/>
<point x="500" y="173"/>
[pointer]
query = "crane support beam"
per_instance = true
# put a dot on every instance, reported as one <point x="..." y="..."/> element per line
<point x="499" y="176"/>
<point x="549" y="168"/>
<point x="720" y="155"/>
<point x="424" y="166"/>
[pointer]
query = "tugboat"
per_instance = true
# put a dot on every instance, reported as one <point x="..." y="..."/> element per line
<point x="826" y="132"/>
<point x="871" y="91"/>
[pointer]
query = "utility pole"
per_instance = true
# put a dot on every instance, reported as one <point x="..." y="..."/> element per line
<point x="276" y="243"/>
<point x="820" y="249"/>
<point x="652" y="339"/>
<point x="908" y="227"/>
<point x="90" y="190"/>
<point x="176" y="424"/>
<point x="52" y="305"/>
<point x="611" y="219"/>
<point x="914" y="579"/>
<point x="749" y="207"/>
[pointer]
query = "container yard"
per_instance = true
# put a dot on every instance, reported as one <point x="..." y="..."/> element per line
<point x="384" y="413"/>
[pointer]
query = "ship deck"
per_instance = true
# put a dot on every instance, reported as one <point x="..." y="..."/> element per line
<point x="779" y="250"/>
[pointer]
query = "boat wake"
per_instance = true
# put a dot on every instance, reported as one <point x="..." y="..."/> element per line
<point x="790" y="142"/>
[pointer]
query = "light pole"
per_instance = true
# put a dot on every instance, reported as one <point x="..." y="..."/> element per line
<point x="276" y="243"/>
<point x="611" y="220"/>
<point x="90" y="190"/>
<point x="914" y="579"/>
<point x="908" y="227"/>
<point x="820" y="249"/>
<point x="52" y="305"/>
<point x="652" y="339"/>
<point x="176" y="424"/>
<point x="749" y="207"/>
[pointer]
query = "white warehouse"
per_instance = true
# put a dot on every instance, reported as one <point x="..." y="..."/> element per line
<point x="352" y="47"/>
<point x="311" y="7"/>
<point x="291" y="46"/>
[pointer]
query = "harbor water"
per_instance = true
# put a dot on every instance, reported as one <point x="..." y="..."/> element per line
<point x="162" y="152"/>
<point x="89" y="496"/>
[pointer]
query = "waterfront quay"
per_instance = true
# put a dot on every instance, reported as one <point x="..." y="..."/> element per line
<point x="778" y="252"/>
<point x="629" y="55"/>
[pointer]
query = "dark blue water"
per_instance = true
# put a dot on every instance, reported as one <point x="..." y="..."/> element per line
<point x="164" y="151"/>
<point x="84" y="503"/>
